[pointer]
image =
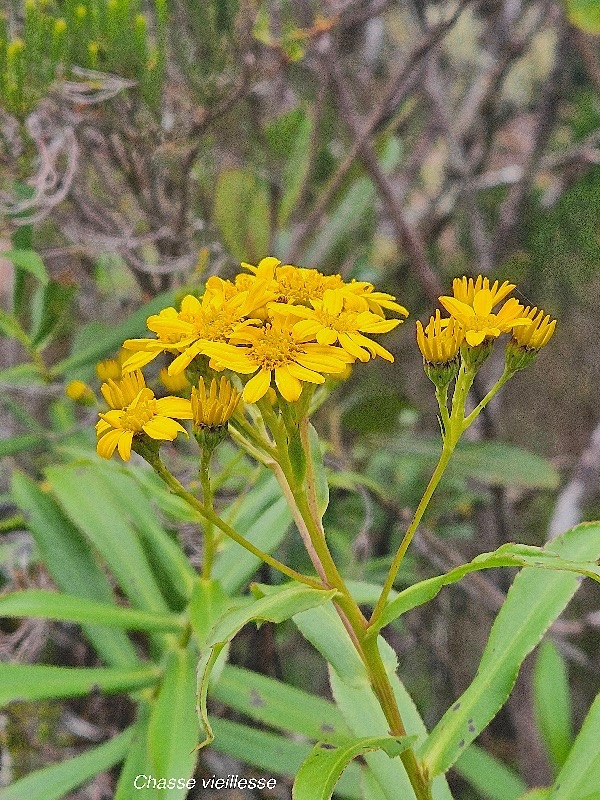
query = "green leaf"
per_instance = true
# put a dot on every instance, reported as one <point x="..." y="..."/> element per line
<point x="321" y="771"/>
<point x="50" y="311"/>
<point x="552" y="703"/>
<point x="24" y="682"/>
<point x="207" y="604"/>
<point x="171" y="568"/>
<point x="71" y="564"/>
<point x="53" y="783"/>
<point x="11" y="327"/>
<point x="543" y="794"/>
<point x="28" y="260"/>
<point x="321" y="482"/>
<point x="276" y="607"/>
<point x="173" y="727"/>
<point x="82" y="493"/>
<point x="297" y="457"/>
<point x="579" y="777"/>
<point x="535" y="600"/>
<point x="279" y="705"/>
<point x="113" y="337"/>
<point x="242" y="214"/>
<point x="508" y="555"/>
<point x="296" y="168"/>
<point x="585" y="14"/>
<point x="263" y="517"/>
<point x="350" y="210"/>
<point x="274" y="754"/>
<point x="20" y="375"/>
<point x="137" y="761"/>
<point x="492" y="779"/>
<point x="52" y="605"/>
<point x="21" y="442"/>
<point x="494" y="463"/>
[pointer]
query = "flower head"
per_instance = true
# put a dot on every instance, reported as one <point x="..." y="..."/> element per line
<point x="174" y="383"/>
<point x="539" y="333"/>
<point x="335" y="319"/>
<point x="281" y="349"/>
<point x="465" y="289"/>
<point x="440" y="340"/>
<point x="477" y="319"/>
<point x="213" y="408"/>
<point x="135" y="411"/>
<point x="80" y="392"/>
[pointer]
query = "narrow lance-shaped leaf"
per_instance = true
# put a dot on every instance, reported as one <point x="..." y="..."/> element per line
<point x="552" y="703"/>
<point x="508" y="555"/>
<point x="277" y="607"/>
<point x="321" y="771"/>
<point x="25" y="682"/>
<point x="579" y="777"/>
<point x="536" y="598"/>
<point x="52" y="783"/>
<point x="53" y="605"/>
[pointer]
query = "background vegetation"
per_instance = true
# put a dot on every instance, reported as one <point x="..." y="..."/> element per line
<point x="145" y="146"/>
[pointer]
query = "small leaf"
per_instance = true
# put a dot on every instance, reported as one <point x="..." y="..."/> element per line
<point x="53" y="783"/>
<point x="297" y="457"/>
<point x="321" y="482"/>
<point x="490" y="777"/>
<point x="72" y="564"/>
<point x="552" y="703"/>
<point x="11" y="327"/>
<point x="20" y="443"/>
<point x="579" y="777"/>
<point x="173" y="726"/>
<point x="28" y="260"/>
<point x="242" y="214"/>
<point x="24" y="682"/>
<point x="50" y="311"/>
<point x="276" y="607"/>
<point x="508" y="555"/>
<point x="53" y="605"/>
<point x="321" y="771"/>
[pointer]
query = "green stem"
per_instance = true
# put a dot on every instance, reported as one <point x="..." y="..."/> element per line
<point x="398" y="558"/>
<point x="209" y="528"/>
<point x="492" y="392"/>
<point x="209" y="515"/>
<point x="14" y="523"/>
<point x="442" y="398"/>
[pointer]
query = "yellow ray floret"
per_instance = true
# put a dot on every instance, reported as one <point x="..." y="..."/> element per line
<point x="440" y="341"/>
<point x="477" y="319"/>
<point x="280" y="349"/>
<point x="330" y="321"/>
<point x="539" y="333"/>
<point x="465" y="289"/>
<point x="220" y="312"/>
<point x="130" y="416"/>
<point x="213" y="408"/>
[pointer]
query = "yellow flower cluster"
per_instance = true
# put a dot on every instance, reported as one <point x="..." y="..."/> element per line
<point x="474" y="321"/>
<point x="274" y="323"/>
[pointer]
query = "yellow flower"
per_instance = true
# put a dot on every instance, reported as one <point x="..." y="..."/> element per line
<point x="80" y="392"/>
<point x="174" y="383"/>
<point x="213" y="408"/>
<point x="221" y="312"/>
<point x="135" y="412"/>
<point x="279" y="348"/>
<point x="111" y="367"/>
<point x="539" y="333"/>
<point x="465" y="289"/>
<point x="289" y="284"/>
<point x="477" y="319"/>
<point x="440" y="340"/>
<point x="329" y="321"/>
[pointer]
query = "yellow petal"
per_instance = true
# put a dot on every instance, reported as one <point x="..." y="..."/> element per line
<point x="475" y="337"/>
<point x="483" y="302"/>
<point x="326" y="336"/>
<point x="289" y="386"/>
<point x="174" y="407"/>
<point x="163" y="428"/>
<point x="124" y="445"/>
<point x="257" y="386"/>
<point x="107" y="443"/>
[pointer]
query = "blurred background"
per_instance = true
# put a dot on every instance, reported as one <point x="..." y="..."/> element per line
<point x="145" y="146"/>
